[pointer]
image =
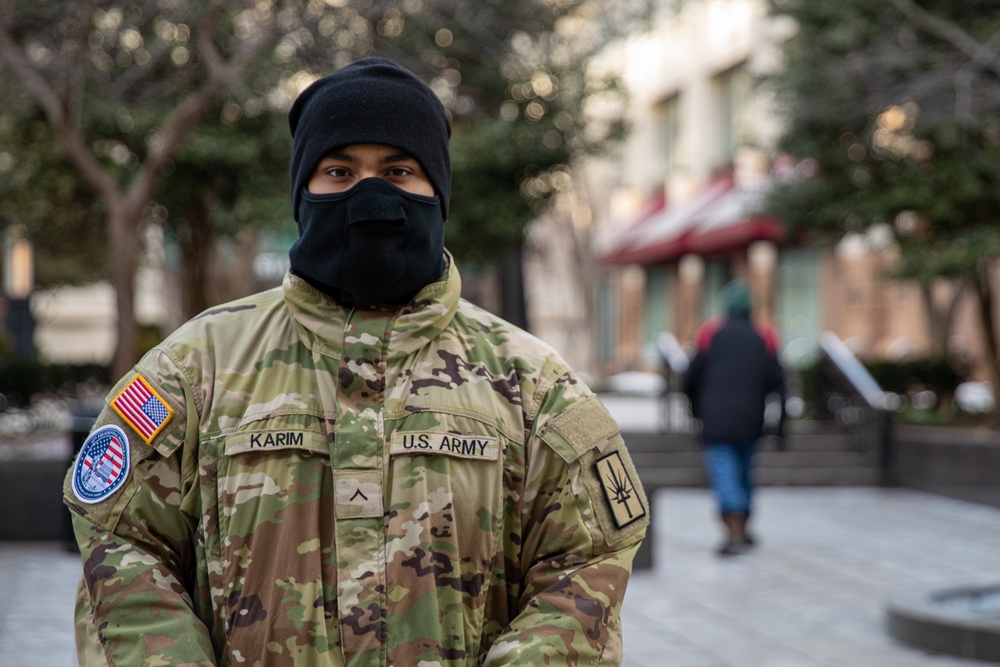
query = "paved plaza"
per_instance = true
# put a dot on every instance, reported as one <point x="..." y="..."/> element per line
<point x="812" y="595"/>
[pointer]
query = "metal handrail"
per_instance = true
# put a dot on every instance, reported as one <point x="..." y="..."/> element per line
<point x="675" y="409"/>
<point x="867" y="422"/>
<point x="672" y="353"/>
<point x="854" y="371"/>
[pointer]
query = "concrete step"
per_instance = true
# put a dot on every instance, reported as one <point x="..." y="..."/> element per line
<point x="792" y="446"/>
<point x="31" y="505"/>
<point x="766" y="459"/>
<point x="804" y="476"/>
<point x="794" y="442"/>
<point x="815" y="454"/>
<point x="808" y="476"/>
<point x="687" y="459"/>
<point x="816" y="459"/>
<point x="654" y="478"/>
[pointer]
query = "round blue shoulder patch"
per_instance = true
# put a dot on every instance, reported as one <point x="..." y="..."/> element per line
<point x="102" y="466"/>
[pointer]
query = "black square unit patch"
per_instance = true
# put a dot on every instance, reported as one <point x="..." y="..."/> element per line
<point x="624" y="500"/>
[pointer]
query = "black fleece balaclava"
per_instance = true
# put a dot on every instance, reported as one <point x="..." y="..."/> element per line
<point x="374" y="243"/>
<point x="371" y="101"/>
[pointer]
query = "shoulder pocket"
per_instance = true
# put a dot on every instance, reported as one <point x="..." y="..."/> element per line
<point x="587" y="436"/>
<point x="138" y="420"/>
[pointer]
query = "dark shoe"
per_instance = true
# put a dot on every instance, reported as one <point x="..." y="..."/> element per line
<point x="738" y="540"/>
<point x="733" y="548"/>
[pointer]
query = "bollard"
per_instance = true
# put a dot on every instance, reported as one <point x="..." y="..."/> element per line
<point x="643" y="560"/>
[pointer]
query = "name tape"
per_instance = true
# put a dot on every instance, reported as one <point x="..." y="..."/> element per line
<point x="239" y="443"/>
<point x="463" y="446"/>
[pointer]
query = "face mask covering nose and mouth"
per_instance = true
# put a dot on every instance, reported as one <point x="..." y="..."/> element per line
<point x="374" y="243"/>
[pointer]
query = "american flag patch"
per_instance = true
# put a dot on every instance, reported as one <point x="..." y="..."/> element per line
<point x="142" y="408"/>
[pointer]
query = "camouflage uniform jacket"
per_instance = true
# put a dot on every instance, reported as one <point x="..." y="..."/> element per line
<point x="319" y="486"/>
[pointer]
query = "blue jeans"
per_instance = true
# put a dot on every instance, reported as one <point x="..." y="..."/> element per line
<point x="730" y="473"/>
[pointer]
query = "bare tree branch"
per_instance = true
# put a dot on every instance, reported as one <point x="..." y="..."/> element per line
<point x="6" y="11"/>
<point x="206" y="49"/>
<point x="228" y="73"/>
<point x="980" y="53"/>
<point x="184" y="119"/>
<point x="77" y="63"/>
<point x="56" y="112"/>
<point x="474" y="24"/>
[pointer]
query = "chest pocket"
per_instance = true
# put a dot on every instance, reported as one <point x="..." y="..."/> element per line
<point x="275" y="500"/>
<point x="265" y="469"/>
<point x="446" y="481"/>
<point x="448" y="467"/>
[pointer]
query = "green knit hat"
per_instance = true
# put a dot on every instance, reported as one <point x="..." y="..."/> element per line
<point x="736" y="298"/>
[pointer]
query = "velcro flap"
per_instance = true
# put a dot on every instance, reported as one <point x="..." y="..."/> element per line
<point x="582" y="427"/>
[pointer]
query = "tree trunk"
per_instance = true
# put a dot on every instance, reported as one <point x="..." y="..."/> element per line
<point x="125" y="211"/>
<point x="197" y="252"/>
<point x="941" y="315"/>
<point x="984" y="292"/>
<point x="512" y="306"/>
<point x="122" y="242"/>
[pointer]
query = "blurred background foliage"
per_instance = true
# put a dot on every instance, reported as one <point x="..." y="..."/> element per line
<point x="513" y="83"/>
<point x="105" y="101"/>
<point x="41" y="189"/>
<point x="891" y="111"/>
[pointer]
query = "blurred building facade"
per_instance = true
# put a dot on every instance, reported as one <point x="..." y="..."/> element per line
<point x="76" y="323"/>
<point x="671" y="215"/>
<point x="674" y="210"/>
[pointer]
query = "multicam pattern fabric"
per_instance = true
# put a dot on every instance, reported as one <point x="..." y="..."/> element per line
<point x="409" y="487"/>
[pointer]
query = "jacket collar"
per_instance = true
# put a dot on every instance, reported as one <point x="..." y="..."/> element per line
<point x="322" y="321"/>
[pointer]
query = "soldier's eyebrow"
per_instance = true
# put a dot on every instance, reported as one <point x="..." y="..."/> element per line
<point x="337" y="155"/>
<point x="398" y="157"/>
<point x="388" y="159"/>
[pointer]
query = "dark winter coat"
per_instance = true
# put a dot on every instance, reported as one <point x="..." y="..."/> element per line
<point x="733" y="371"/>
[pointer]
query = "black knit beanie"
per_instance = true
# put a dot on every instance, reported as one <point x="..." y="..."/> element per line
<point x="371" y="101"/>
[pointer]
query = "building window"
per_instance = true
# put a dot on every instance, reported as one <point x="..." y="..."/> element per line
<point x="666" y="116"/>
<point x="672" y="8"/>
<point x="717" y="274"/>
<point x="657" y="303"/>
<point x="608" y="312"/>
<point x="734" y="92"/>
<point x="905" y="292"/>
<point x="800" y="307"/>
<point x="854" y="296"/>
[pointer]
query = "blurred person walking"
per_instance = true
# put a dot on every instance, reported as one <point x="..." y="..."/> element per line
<point x="734" y="370"/>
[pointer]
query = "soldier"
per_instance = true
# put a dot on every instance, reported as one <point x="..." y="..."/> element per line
<point x="358" y="467"/>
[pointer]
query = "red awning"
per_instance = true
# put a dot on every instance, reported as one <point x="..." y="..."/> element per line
<point x="719" y="218"/>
